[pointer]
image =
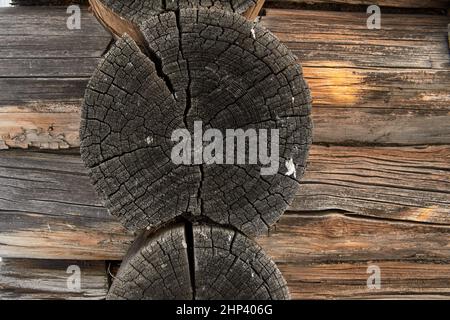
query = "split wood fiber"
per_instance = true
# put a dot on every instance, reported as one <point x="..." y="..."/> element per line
<point x="197" y="262"/>
<point x="203" y="65"/>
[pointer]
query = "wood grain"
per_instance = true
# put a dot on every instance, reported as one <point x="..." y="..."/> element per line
<point x="115" y="24"/>
<point x="385" y="87"/>
<point x="441" y="4"/>
<point x="47" y="279"/>
<point x="50" y="210"/>
<point x="323" y="280"/>
<point x="411" y="184"/>
<point x="44" y="68"/>
<point x="327" y="256"/>
<point x="357" y="207"/>
<point x="337" y="280"/>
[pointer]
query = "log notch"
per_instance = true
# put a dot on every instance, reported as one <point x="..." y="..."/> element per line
<point x="43" y="83"/>
<point x="200" y="263"/>
<point x="425" y="4"/>
<point x="193" y="71"/>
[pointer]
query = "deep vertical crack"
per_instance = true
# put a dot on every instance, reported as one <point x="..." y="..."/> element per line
<point x="188" y="106"/>
<point x="188" y="87"/>
<point x="157" y="62"/>
<point x="189" y="232"/>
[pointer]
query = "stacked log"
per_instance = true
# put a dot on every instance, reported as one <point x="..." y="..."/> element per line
<point x="169" y="77"/>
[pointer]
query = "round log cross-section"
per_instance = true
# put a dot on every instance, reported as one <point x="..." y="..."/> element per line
<point x="139" y="10"/>
<point x="202" y="263"/>
<point x="208" y="121"/>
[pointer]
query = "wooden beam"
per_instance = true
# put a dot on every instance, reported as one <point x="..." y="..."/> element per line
<point x="50" y="210"/>
<point x="428" y="4"/>
<point x="48" y="279"/>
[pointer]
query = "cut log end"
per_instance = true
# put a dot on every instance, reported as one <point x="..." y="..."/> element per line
<point x="197" y="262"/>
<point x="206" y="67"/>
<point x="140" y="10"/>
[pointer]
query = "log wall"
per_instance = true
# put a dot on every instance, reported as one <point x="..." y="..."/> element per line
<point x="376" y="192"/>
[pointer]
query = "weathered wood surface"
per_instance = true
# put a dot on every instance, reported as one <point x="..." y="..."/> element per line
<point x="44" y="68"/>
<point x="49" y="208"/>
<point x="330" y="280"/>
<point x="328" y="255"/>
<point x="433" y="4"/>
<point x="199" y="262"/>
<point x="48" y="279"/>
<point x="382" y="206"/>
<point x="114" y="23"/>
<point x="253" y="12"/>
<point x="387" y="3"/>
<point x="124" y="122"/>
<point x="410" y="184"/>
<point x="379" y="86"/>
<point x="348" y="280"/>
<point x="387" y="86"/>
<point x="357" y="206"/>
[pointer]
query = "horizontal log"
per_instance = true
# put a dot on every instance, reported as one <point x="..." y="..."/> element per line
<point x="388" y="3"/>
<point x="50" y="126"/>
<point x="409" y="184"/>
<point x="399" y="280"/>
<point x="48" y="21"/>
<point x="51" y="279"/>
<point x="47" y="279"/>
<point x="432" y="4"/>
<point x="50" y="210"/>
<point x="404" y="65"/>
<point x="55" y="125"/>
<point x="48" y="68"/>
<point x="387" y="86"/>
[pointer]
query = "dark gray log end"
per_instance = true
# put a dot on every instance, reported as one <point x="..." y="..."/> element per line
<point x="199" y="262"/>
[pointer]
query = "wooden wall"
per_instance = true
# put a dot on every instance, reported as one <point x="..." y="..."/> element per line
<point x="377" y="189"/>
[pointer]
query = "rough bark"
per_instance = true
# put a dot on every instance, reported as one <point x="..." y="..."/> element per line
<point x="199" y="65"/>
<point x="197" y="262"/>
